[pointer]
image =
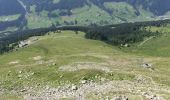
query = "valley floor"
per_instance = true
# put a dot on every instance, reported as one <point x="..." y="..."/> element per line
<point x="67" y="66"/>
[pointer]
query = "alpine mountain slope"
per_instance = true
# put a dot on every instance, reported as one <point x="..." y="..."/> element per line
<point x="28" y="14"/>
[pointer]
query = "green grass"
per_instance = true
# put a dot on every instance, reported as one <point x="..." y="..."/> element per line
<point x="86" y="15"/>
<point x="156" y="50"/>
<point x="35" y="21"/>
<point x="121" y="9"/>
<point x="157" y="46"/>
<point x="10" y="97"/>
<point x="67" y="48"/>
<point x="60" y="48"/>
<point x="9" y="18"/>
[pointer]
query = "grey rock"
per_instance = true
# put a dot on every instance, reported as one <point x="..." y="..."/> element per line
<point x="83" y="81"/>
<point x="120" y="98"/>
<point x="74" y="87"/>
<point x="146" y="65"/>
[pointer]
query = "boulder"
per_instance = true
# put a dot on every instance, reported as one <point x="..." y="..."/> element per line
<point x="147" y="66"/>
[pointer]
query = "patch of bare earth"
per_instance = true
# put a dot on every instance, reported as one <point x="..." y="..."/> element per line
<point x="14" y="62"/>
<point x="37" y="58"/>
<point x="85" y="65"/>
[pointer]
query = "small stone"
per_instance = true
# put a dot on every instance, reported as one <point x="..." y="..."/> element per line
<point x="74" y="87"/>
<point x="47" y="87"/>
<point x="32" y="73"/>
<point x="154" y="96"/>
<point x="20" y="72"/>
<point x="19" y="76"/>
<point x="102" y="79"/>
<point x="61" y="76"/>
<point x="107" y="98"/>
<point x="23" y="90"/>
<point x="38" y="84"/>
<point x="111" y="74"/>
<point x="96" y="76"/>
<point x="54" y="92"/>
<point x="9" y="73"/>
<point x="120" y="98"/>
<point x="146" y="65"/>
<point x="54" y="64"/>
<point x="84" y="81"/>
<point x="144" y="93"/>
<point x="126" y="45"/>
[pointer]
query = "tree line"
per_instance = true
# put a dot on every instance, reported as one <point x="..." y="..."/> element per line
<point x="116" y="34"/>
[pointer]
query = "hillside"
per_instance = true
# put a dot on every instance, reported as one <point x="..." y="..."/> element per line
<point x="35" y="14"/>
<point x="160" y="44"/>
<point x="67" y="66"/>
<point x="84" y="50"/>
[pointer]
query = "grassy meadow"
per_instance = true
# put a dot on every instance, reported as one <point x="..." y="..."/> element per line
<point x="47" y="62"/>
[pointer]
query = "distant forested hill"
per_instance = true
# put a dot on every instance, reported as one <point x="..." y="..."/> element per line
<point x="10" y="7"/>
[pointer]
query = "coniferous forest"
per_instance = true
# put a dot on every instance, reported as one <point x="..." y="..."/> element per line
<point x="117" y="34"/>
